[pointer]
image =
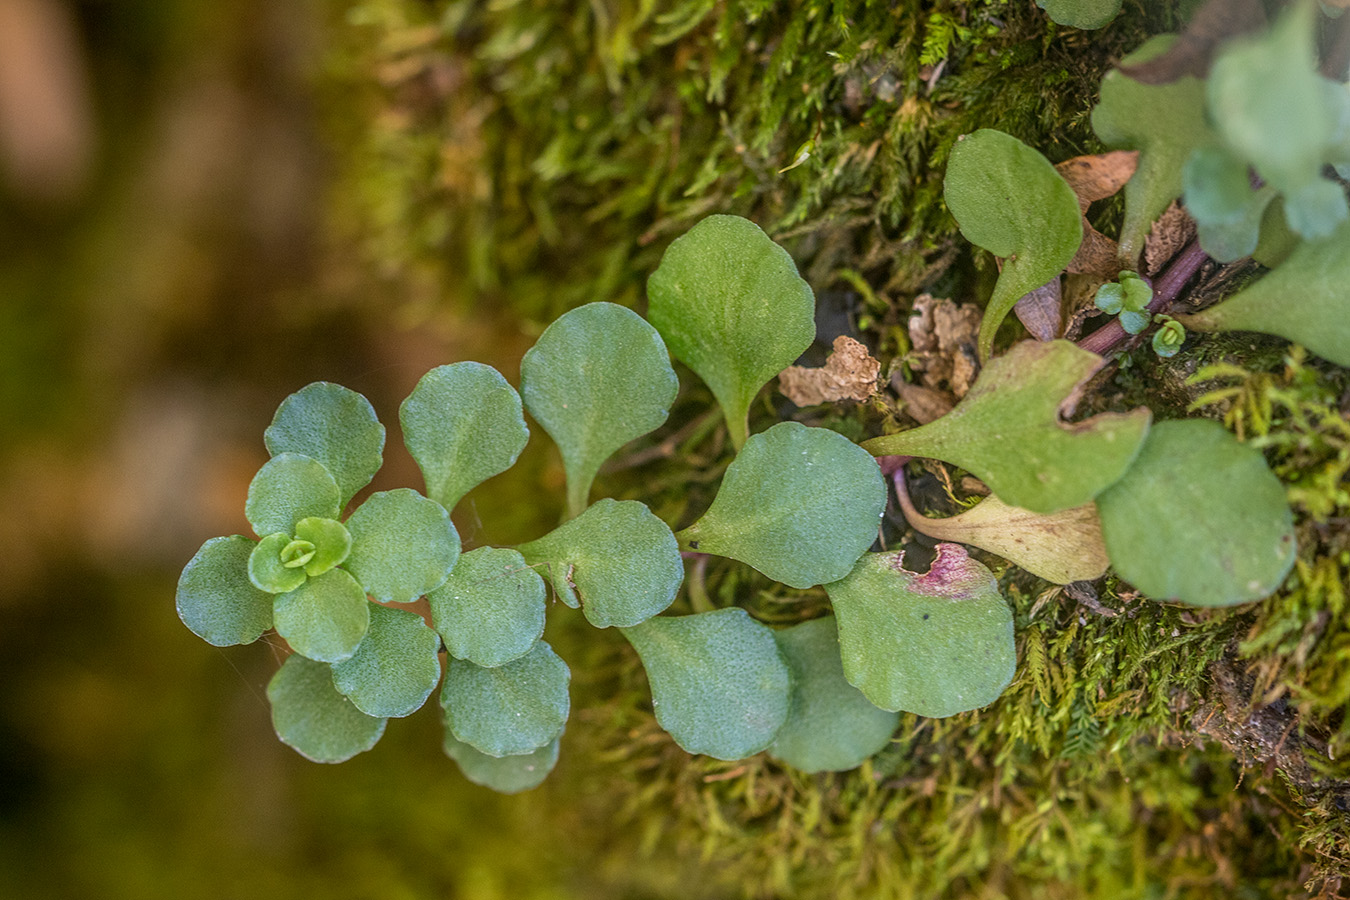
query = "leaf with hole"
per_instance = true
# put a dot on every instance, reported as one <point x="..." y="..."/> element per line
<point x="215" y="598"/>
<point x="617" y="562"/>
<point x="313" y="719"/>
<point x="491" y="608"/>
<point x="334" y="425"/>
<point x="731" y="306"/>
<point x="504" y="774"/>
<point x="1164" y="122"/>
<point x="290" y="487"/>
<point x="1008" y="199"/>
<point x="1303" y="299"/>
<point x="1199" y="518"/>
<point x="1008" y="431"/>
<point x="597" y="378"/>
<point x="462" y="424"/>
<point x="831" y="726"/>
<point x="719" y="684"/>
<point x="395" y="668"/>
<point x="935" y="644"/>
<point x="325" y="618"/>
<point x="403" y="545"/>
<point x="511" y="709"/>
<point x="799" y="504"/>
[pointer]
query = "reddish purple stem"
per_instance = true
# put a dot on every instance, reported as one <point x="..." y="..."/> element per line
<point x="1165" y="292"/>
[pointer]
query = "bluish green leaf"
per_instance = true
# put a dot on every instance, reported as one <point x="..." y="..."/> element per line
<point x="403" y="545"/>
<point x="396" y="667"/>
<point x="508" y="710"/>
<point x="505" y="774"/>
<point x="1304" y="299"/>
<point x="731" y="306"/>
<point x="1086" y="14"/>
<point x="1228" y="211"/>
<point x="597" y="378"/>
<point x="290" y="487"/>
<point x="313" y="719"/>
<point x="463" y="424"/>
<point x="1008" y="432"/>
<point x="616" y="561"/>
<point x="719" y="684"/>
<point x="325" y="618"/>
<point x="1198" y="518"/>
<point x="491" y="608"/>
<point x="831" y="726"/>
<point x="1164" y="122"/>
<point x="1008" y="199"/>
<point x="215" y="598"/>
<point x="935" y="644"/>
<point x="799" y="504"/>
<point x="331" y="541"/>
<point x="334" y="425"/>
<point x="266" y="570"/>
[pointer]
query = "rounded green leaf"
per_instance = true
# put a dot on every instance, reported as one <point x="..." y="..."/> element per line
<point x="1199" y="518"/>
<point x="831" y="726"/>
<point x="935" y="644"/>
<point x="731" y="306"/>
<point x="1008" y="199"/>
<point x="491" y="608"/>
<point x="1086" y="14"/>
<point x="325" y="618"/>
<point x="331" y="541"/>
<point x="403" y="545"/>
<point x="616" y="561"/>
<point x="396" y="667"/>
<point x="597" y="378"/>
<point x="290" y="487"/>
<point x="799" y="504"/>
<point x="313" y="719"/>
<point x="334" y="425"/>
<point x="267" y="571"/>
<point x="511" y="709"/>
<point x="215" y="599"/>
<point x="462" y="424"/>
<point x="1303" y="299"/>
<point x="1008" y="432"/>
<point x="506" y="774"/>
<point x="719" y="685"/>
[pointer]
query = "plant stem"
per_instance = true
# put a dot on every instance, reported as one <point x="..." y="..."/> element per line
<point x="695" y="585"/>
<point x="1168" y="287"/>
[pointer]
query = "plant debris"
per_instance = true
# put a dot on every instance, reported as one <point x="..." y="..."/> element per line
<point x="849" y="374"/>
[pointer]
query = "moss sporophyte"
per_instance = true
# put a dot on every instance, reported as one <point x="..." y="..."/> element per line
<point x="804" y="506"/>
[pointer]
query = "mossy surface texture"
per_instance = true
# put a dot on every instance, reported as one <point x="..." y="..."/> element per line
<point x="538" y="155"/>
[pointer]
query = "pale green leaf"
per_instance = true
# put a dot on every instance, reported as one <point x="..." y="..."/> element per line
<point x="597" y="378"/>
<point x="290" y="487"/>
<point x="731" y="306"/>
<point x="799" y="504"/>
<point x="396" y="667"/>
<point x="1008" y="432"/>
<point x="1164" y="122"/>
<point x="508" y="710"/>
<point x="462" y="424"/>
<point x="491" y="608"/>
<point x="935" y="644"/>
<point x="719" y="685"/>
<point x="332" y="543"/>
<point x="1008" y="199"/>
<point x="325" y="618"/>
<point x="403" y="545"/>
<point x="616" y="561"/>
<point x="1304" y="299"/>
<point x="266" y="570"/>
<point x="1086" y="14"/>
<point x="1199" y="518"/>
<point x="1228" y="211"/>
<point x="334" y="425"/>
<point x="831" y="726"/>
<point x="313" y="719"/>
<point x="215" y="598"/>
<point x="505" y="774"/>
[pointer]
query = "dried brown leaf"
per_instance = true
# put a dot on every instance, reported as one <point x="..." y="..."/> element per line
<point x="849" y="374"/>
<point x="1174" y="229"/>
<point x="922" y="404"/>
<point x="1096" y="177"/>
<point x="1039" y="311"/>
